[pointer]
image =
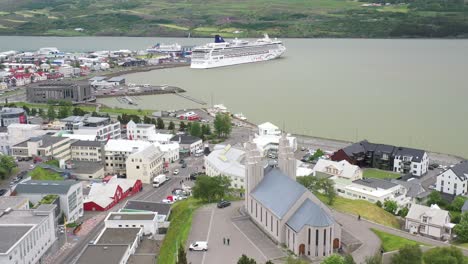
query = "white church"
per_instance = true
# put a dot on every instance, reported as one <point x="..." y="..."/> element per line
<point x="284" y="209"/>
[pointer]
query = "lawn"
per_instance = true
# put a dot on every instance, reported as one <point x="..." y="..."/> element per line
<point x="380" y="174"/>
<point x="366" y="209"/>
<point x="391" y="242"/>
<point x="45" y="175"/>
<point x="179" y="229"/>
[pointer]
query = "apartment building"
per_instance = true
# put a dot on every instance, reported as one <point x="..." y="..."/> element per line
<point x="46" y="147"/>
<point x="101" y="128"/>
<point x="82" y="150"/>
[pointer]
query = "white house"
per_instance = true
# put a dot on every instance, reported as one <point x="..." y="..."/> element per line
<point x="160" y="138"/>
<point x="187" y="143"/>
<point x="140" y="131"/>
<point x="268" y="138"/>
<point x="408" y="160"/>
<point x="87" y="150"/>
<point x="27" y="234"/>
<point x="66" y="70"/>
<point x="102" y="128"/>
<point x="268" y="128"/>
<point x="117" y="151"/>
<point x="170" y="151"/>
<point x="145" y="164"/>
<point x="429" y="221"/>
<point x="454" y="180"/>
<point x="227" y="161"/>
<point x="70" y="193"/>
<point x="146" y="220"/>
<point x="341" y="169"/>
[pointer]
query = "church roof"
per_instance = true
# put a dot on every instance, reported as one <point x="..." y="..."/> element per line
<point x="309" y="213"/>
<point x="278" y="192"/>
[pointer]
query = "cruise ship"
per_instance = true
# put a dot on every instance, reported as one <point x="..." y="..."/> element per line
<point x="222" y="53"/>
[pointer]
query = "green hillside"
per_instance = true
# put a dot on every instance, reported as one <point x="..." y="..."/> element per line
<point x="286" y="18"/>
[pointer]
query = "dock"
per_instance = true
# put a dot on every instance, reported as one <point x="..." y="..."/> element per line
<point x="190" y="98"/>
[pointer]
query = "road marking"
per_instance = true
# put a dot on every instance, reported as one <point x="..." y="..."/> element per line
<point x="251" y="242"/>
<point x="208" y="235"/>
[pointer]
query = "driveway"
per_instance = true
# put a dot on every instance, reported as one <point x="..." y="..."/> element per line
<point x="212" y="224"/>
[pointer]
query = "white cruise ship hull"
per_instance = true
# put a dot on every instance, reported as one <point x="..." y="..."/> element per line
<point x="226" y="61"/>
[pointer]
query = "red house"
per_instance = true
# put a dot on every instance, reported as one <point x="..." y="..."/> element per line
<point x="105" y="195"/>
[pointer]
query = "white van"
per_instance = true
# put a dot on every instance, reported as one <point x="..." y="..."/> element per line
<point x="199" y="246"/>
<point x="159" y="180"/>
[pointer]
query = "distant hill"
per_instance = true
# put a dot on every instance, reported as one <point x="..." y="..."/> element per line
<point x="243" y="18"/>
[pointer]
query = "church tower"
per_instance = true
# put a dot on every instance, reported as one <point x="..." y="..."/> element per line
<point x="254" y="170"/>
<point x="286" y="159"/>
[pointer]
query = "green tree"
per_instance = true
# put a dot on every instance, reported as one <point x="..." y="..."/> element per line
<point x="461" y="229"/>
<point x="78" y="111"/>
<point x="26" y="109"/>
<point x="94" y="114"/>
<point x="7" y="162"/>
<point x="409" y="254"/>
<point x="348" y="259"/>
<point x="390" y="206"/>
<point x="443" y="255"/>
<point x="211" y="188"/>
<point x="171" y="126"/>
<point x="435" y="198"/>
<point x="147" y="120"/>
<point x="333" y="259"/>
<point x="159" y="123"/>
<point x="51" y="113"/>
<point x="376" y="259"/>
<point x="64" y="112"/>
<point x="206" y="129"/>
<point x="195" y="130"/>
<point x="379" y="204"/>
<point x="310" y="182"/>
<point x="457" y="203"/>
<point x="291" y="260"/>
<point x="33" y="111"/>
<point x="328" y="187"/>
<point x="403" y="212"/>
<point x="269" y="262"/>
<point x="3" y="173"/>
<point x="246" y="260"/>
<point x="318" y="153"/>
<point x="182" y="126"/>
<point x="222" y="125"/>
<point x="181" y="256"/>
<point x="42" y="114"/>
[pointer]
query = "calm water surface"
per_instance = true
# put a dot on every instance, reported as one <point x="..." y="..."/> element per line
<point x="405" y="92"/>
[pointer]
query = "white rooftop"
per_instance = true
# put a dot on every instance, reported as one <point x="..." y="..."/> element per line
<point x="159" y="137"/>
<point x="125" y="145"/>
<point x="345" y="169"/>
<point x="227" y="160"/>
<point x="268" y="126"/>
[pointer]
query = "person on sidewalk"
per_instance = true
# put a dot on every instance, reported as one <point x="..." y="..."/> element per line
<point x="228" y="240"/>
<point x="359" y="218"/>
<point x="224" y="241"/>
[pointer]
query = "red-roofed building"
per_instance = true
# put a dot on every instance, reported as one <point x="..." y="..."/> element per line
<point x="111" y="191"/>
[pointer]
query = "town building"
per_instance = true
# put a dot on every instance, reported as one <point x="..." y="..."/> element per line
<point x="140" y="131"/>
<point x="145" y="164"/>
<point x="9" y="115"/>
<point x="284" y="209"/>
<point x="26" y="235"/>
<point x="100" y="128"/>
<point x="268" y="128"/>
<point x="341" y="169"/>
<point x="17" y="133"/>
<point x="117" y="151"/>
<point x="267" y="139"/>
<point x="44" y="92"/>
<point x="46" y="147"/>
<point x="85" y="170"/>
<point x="163" y="210"/>
<point x="103" y="196"/>
<point x="188" y="144"/>
<point x="414" y="190"/>
<point x="82" y="150"/>
<point x="170" y="152"/>
<point x="227" y="161"/>
<point x="454" y="180"/>
<point x="70" y="195"/>
<point x="14" y="202"/>
<point x="146" y="220"/>
<point x="385" y="157"/>
<point x="429" y="221"/>
<point x="161" y="138"/>
<point x="118" y="80"/>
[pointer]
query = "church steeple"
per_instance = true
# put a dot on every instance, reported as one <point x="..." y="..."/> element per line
<point x="286" y="159"/>
<point x="253" y="169"/>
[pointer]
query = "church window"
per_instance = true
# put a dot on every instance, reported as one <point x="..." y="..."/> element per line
<point x="261" y="214"/>
<point x="256" y="207"/>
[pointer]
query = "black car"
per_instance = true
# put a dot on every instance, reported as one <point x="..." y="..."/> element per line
<point x="223" y="204"/>
<point x="181" y="161"/>
<point x="3" y="191"/>
<point x="184" y="165"/>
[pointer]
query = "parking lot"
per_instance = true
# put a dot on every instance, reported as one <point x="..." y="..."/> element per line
<point x="212" y="224"/>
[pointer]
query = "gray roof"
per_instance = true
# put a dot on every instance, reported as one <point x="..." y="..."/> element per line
<point x="417" y="154"/>
<point x="132" y="216"/>
<point x="144" y="125"/>
<point x="116" y="79"/>
<point x="118" y="236"/>
<point x="465" y="206"/>
<point x="98" y="78"/>
<point x="102" y="254"/>
<point x="10" y="234"/>
<point x="47" y="141"/>
<point x="185" y="139"/>
<point x="309" y="214"/>
<point x="45" y="187"/>
<point x="13" y="202"/>
<point x="414" y="187"/>
<point x="160" y="208"/>
<point x="278" y="192"/>
<point x="376" y="183"/>
<point x="461" y="170"/>
<point x="86" y="143"/>
<point x="355" y="148"/>
<point x="86" y="167"/>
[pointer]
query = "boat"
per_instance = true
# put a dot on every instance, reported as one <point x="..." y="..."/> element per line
<point x="240" y="116"/>
<point x="163" y="48"/>
<point x="222" y="53"/>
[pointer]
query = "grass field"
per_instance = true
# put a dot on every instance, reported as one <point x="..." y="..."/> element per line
<point x="380" y="174"/>
<point x="179" y="229"/>
<point x="366" y="209"/>
<point x="391" y="242"/>
<point x="45" y="175"/>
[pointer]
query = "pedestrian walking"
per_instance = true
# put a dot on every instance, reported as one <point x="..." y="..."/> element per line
<point x="359" y="218"/>
<point x="228" y="240"/>
<point x="224" y="241"/>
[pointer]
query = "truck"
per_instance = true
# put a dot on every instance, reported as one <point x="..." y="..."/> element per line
<point x="159" y="180"/>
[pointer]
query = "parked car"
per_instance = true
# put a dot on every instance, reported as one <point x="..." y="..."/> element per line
<point x="167" y="201"/>
<point x="184" y="165"/>
<point x="223" y="204"/>
<point x="3" y="191"/>
<point x="175" y="172"/>
<point x="181" y="161"/>
<point x="303" y="149"/>
<point x="199" y="246"/>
